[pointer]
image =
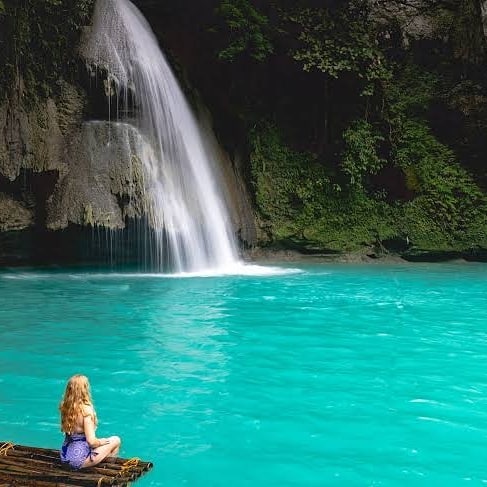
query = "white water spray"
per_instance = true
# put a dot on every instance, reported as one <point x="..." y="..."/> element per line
<point x="189" y="219"/>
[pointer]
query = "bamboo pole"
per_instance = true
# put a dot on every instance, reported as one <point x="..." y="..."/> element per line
<point x="30" y="483"/>
<point x="65" y="477"/>
<point x="28" y="465"/>
<point x="15" y="458"/>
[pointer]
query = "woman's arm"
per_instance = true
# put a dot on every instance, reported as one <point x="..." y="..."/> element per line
<point x="89" y="427"/>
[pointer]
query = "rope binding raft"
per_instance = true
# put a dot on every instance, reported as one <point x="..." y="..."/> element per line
<point x="5" y="447"/>
<point x="41" y="467"/>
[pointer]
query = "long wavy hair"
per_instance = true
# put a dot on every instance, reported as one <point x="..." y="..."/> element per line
<point x="76" y="395"/>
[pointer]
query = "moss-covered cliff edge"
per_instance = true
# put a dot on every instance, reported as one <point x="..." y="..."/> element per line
<point x="347" y="127"/>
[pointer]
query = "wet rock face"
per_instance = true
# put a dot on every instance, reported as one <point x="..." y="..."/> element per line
<point x="415" y="19"/>
<point x="56" y="170"/>
<point x="14" y="215"/>
<point x="98" y="176"/>
<point x="34" y="134"/>
<point x="104" y="183"/>
<point x="411" y="17"/>
<point x="33" y="138"/>
<point x="461" y="22"/>
<point x="238" y="200"/>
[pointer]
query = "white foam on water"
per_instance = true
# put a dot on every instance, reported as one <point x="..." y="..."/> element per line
<point x="239" y="269"/>
<point x="27" y="276"/>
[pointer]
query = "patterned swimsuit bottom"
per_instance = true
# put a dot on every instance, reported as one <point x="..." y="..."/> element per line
<point x="75" y="450"/>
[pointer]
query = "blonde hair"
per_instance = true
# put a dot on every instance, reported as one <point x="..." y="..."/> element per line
<point x="76" y="395"/>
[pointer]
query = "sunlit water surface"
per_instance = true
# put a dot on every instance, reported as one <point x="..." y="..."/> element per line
<point x="334" y="375"/>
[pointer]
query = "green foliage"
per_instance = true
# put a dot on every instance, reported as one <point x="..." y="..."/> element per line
<point x="353" y="220"/>
<point x="339" y="43"/>
<point x="360" y="158"/>
<point x="450" y="205"/>
<point x="41" y="37"/>
<point x="285" y="181"/>
<point x="448" y="210"/>
<point x="411" y="92"/>
<point x="298" y="201"/>
<point x="246" y="29"/>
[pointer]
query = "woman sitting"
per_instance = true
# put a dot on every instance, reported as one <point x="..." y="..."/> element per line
<point x="81" y="447"/>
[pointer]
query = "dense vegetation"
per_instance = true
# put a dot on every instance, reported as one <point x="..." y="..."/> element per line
<point x="361" y="134"/>
<point x="358" y="132"/>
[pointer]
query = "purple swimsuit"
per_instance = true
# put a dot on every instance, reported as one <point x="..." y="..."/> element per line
<point x="75" y="450"/>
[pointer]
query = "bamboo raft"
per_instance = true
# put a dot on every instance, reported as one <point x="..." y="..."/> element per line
<point x="27" y="466"/>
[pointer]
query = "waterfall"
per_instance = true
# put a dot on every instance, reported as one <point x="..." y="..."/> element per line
<point x="483" y="13"/>
<point x="184" y="208"/>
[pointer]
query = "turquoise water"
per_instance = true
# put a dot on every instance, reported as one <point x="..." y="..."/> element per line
<point x="334" y="375"/>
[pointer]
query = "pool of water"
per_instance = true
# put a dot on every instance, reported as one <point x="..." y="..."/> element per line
<point x="318" y="376"/>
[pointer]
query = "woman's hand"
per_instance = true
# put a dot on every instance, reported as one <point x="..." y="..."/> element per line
<point x="103" y="441"/>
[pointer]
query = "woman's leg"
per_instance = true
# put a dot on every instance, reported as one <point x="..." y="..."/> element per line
<point x="102" y="452"/>
<point x="115" y="441"/>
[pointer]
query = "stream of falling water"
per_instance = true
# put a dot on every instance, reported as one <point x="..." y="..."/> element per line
<point x="184" y="205"/>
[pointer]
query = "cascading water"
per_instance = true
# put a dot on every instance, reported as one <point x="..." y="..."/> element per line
<point x="185" y="211"/>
